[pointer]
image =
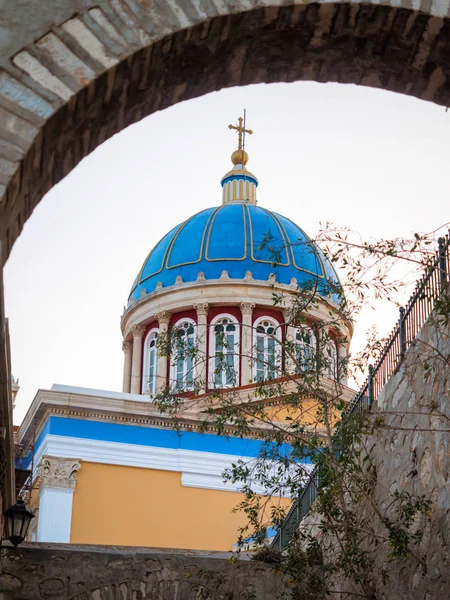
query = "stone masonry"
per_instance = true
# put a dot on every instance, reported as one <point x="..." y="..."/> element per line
<point x="411" y="453"/>
<point x="75" y="72"/>
<point x="63" y="572"/>
<point x="414" y="455"/>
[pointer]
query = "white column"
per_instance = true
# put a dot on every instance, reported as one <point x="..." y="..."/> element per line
<point x="127" y="348"/>
<point x="342" y="355"/>
<point x="163" y="321"/>
<point x="289" y="362"/>
<point x="136" y="365"/>
<point x="202" y="334"/>
<point x="246" y="344"/>
<point x="57" y="485"/>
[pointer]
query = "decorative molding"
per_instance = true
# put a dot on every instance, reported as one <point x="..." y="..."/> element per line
<point x="198" y="469"/>
<point x="217" y="293"/>
<point x="137" y="331"/>
<point x="163" y="317"/>
<point x="127" y="347"/>
<point x="261" y="290"/>
<point x="202" y="309"/>
<point x="57" y="472"/>
<point x="247" y="308"/>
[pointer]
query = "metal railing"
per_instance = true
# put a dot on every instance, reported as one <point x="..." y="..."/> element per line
<point x="430" y="286"/>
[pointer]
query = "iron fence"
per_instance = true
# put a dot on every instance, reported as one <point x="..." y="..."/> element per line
<point x="430" y="286"/>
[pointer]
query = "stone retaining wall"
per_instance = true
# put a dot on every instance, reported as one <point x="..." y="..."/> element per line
<point x="411" y="453"/>
<point x="64" y="572"/>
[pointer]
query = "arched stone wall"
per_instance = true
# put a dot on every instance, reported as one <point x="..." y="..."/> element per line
<point x="75" y="72"/>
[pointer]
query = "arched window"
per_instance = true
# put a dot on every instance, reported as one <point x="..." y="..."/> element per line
<point x="150" y="362"/>
<point x="267" y="351"/>
<point x="183" y="356"/>
<point x="305" y="348"/>
<point x="224" y="352"/>
<point x="330" y="359"/>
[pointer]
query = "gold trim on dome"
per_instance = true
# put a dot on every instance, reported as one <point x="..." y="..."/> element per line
<point x="192" y="262"/>
<point x="209" y="237"/>
<point x="270" y="262"/>
<point x="292" y="252"/>
<point x="169" y="246"/>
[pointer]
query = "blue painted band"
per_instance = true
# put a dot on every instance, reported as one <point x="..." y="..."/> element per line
<point x="151" y="436"/>
<point x="239" y="178"/>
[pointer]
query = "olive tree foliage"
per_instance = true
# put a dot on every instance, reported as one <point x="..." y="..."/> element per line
<point x="295" y="410"/>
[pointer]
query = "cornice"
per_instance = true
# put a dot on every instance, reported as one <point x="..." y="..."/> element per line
<point x="215" y="293"/>
<point x="137" y="410"/>
<point x="49" y="403"/>
<point x="199" y="469"/>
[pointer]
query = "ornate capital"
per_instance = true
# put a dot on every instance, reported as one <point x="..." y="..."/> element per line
<point x="58" y="472"/>
<point x="202" y="309"/>
<point x="127" y="347"/>
<point x="163" y="317"/>
<point x="247" y="308"/>
<point x="137" y="330"/>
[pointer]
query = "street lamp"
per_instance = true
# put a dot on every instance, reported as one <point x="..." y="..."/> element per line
<point x="18" y="519"/>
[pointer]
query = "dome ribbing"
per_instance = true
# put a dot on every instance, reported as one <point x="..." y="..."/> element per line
<point x="237" y="238"/>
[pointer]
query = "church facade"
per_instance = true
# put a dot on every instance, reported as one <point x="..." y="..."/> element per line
<point x="110" y="467"/>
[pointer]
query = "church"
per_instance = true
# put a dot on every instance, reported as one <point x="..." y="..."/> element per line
<point x="110" y="467"/>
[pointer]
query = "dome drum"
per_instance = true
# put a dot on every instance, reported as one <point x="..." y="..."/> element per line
<point x="242" y="324"/>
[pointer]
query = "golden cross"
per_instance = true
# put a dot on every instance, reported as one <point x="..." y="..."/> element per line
<point x="241" y="131"/>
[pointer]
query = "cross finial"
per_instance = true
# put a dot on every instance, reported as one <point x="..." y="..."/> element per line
<point x="240" y="128"/>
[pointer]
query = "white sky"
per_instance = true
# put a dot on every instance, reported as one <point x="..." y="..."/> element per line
<point x="372" y="160"/>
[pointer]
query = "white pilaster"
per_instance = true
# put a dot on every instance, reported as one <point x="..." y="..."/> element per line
<point x="127" y="348"/>
<point x="163" y="322"/>
<point x="57" y="485"/>
<point x="342" y="355"/>
<point x="202" y="334"/>
<point x="136" y="365"/>
<point x="247" y="337"/>
<point x="291" y="332"/>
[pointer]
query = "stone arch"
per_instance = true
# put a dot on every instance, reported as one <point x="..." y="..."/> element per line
<point x="72" y="79"/>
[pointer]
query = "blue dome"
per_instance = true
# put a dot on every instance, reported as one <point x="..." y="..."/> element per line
<point x="236" y="237"/>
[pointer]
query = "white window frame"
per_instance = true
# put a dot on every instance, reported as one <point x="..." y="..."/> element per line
<point x="277" y="348"/>
<point x="174" y="371"/>
<point x="147" y="386"/>
<point x="302" y="344"/>
<point x="212" y="352"/>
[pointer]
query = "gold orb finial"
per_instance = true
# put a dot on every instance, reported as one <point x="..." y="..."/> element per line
<point x="239" y="157"/>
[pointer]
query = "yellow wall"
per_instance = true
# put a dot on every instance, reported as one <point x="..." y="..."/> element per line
<point x="306" y="413"/>
<point x="143" y="507"/>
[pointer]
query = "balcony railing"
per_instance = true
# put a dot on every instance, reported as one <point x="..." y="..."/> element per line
<point x="430" y="286"/>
